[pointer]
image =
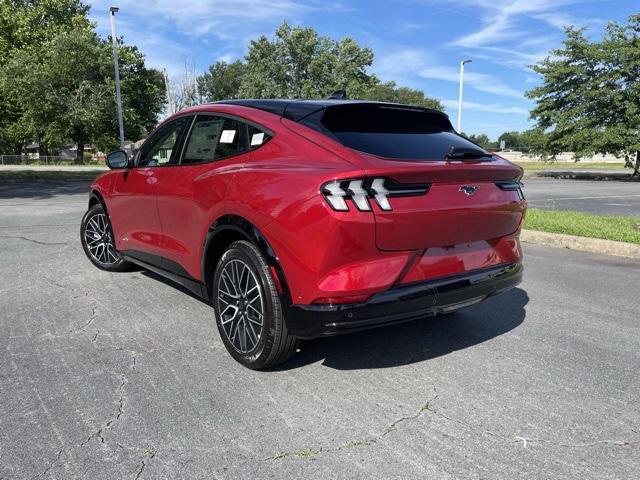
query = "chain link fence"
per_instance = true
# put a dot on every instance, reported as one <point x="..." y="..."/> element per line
<point x="41" y="160"/>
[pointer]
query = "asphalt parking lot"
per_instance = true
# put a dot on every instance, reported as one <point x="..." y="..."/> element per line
<point x="593" y="196"/>
<point x="106" y="376"/>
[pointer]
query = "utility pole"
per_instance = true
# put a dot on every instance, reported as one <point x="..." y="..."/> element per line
<point x="168" y="92"/>
<point x="114" y="40"/>
<point x="462" y="64"/>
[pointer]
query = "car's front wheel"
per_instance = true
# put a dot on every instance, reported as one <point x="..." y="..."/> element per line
<point x="248" y="310"/>
<point x="97" y="241"/>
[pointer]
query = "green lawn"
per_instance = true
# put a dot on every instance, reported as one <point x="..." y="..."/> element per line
<point x="538" y="166"/>
<point x="622" y="229"/>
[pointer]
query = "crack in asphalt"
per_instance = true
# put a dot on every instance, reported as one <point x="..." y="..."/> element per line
<point x="51" y="465"/>
<point x="38" y="242"/>
<point x="310" y="452"/>
<point x="119" y="411"/>
<point x="526" y="440"/>
<point x="84" y="327"/>
<point x="427" y="407"/>
<point x="151" y="453"/>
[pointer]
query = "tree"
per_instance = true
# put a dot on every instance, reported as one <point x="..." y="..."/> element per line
<point x="389" y="92"/>
<point x="221" y="81"/>
<point x="184" y="89"/>
<point x="298" y="63"/>
<point x="512" y="140"/>
<point x="482" y="140"/>
<point x="30" y="23"/>
<point x="589" y="101"/>
<point x="57" y="84"/>
<point x="66" y="92"/>
<point x="27" y="25"/>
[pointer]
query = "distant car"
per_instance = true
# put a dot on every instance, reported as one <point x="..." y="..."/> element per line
<point x="300" y="219"/>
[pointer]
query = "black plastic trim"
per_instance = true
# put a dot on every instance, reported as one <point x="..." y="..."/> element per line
<point x="403" y="303"/>
<point x="252" y="233"/>
<point x="159" y="265"/>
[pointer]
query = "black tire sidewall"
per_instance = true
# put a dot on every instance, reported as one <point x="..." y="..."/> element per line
<point x="272" y="315"/>
<point x="118" y="266"/>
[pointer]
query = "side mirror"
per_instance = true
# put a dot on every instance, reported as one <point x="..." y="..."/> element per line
<point x="118" y="159"/>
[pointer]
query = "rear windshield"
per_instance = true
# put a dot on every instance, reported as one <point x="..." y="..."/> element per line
<point x="400" y="133"/>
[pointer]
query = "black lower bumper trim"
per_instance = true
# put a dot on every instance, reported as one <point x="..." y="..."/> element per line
<point x="403" y="303"/>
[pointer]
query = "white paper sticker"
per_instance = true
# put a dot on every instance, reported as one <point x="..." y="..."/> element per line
<point x="227" y="136"/>
<point x="257" y="139"/>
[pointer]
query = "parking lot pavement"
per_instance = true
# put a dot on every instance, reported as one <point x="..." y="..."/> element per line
<point x="107" y="376"/>
<point x="600" y="197"/>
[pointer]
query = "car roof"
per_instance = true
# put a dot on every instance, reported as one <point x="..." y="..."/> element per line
<point x="296" y="110"/>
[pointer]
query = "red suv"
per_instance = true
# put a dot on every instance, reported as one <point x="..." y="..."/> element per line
<point x="305" y="218"/>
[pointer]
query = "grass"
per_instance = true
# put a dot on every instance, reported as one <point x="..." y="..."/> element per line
<point x="608" y="227"/>
<point x="539" y="166"/>
<point x="47" y="175"/>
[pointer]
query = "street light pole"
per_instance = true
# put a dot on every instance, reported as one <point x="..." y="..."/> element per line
<point x="114" y="40"/>
<point x="462" y="64"/>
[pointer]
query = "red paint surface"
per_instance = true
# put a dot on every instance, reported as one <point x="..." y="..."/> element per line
<point x="167" y="211"/>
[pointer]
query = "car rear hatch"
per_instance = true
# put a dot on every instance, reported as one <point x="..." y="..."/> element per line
<point x="441" y="189"/>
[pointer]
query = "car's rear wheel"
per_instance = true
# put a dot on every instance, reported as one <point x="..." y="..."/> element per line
<point x="97" y="240"/>
<point x="248" y="310"/>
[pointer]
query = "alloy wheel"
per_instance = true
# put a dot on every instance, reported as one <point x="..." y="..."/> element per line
<point x="241" y="306"/>
<point x="98" y="239"/>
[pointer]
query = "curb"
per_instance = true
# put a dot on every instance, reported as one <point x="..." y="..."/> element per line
<point x="587" y="175"/>
<point x="585" y="244"/>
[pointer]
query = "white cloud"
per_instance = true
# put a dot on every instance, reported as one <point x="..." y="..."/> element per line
<point x="486" y="107"/>
<point x="479" y="81"/>
<point x="224" y="19"/>
<point x="400" y="65"/>
<point x="504" y="29"/>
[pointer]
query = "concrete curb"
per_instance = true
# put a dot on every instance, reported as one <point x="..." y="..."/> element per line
<point x="595" y="245"/>
<point x="622" y="176"/>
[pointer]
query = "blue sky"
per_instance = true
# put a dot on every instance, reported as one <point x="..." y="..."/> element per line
<point x="417" y="43"/>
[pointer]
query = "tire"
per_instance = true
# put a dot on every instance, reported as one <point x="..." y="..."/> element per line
<point x="97" y="241"/>
<point x="248" y="310"/>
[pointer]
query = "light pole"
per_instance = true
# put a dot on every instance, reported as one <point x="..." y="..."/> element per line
<point x="114" y="40"/>
<point x="462" y="64"/>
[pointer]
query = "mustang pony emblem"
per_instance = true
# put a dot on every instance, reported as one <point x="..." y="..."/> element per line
<point x="468" y="190"/>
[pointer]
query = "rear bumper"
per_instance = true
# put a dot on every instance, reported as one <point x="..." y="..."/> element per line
<point x="408" y="302"/>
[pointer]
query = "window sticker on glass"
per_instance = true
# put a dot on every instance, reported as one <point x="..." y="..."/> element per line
<point x="227" y="136"/>
<point x="257" y="139"/>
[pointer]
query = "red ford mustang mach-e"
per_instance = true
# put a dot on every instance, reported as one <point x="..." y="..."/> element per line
<point x="304" y="218"/>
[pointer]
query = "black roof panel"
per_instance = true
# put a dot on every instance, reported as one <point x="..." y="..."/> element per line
<point x="296" y="110"/>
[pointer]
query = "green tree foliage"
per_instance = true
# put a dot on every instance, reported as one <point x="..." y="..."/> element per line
<point x="58" y="86"/>
<point x="482" y="140"/>
<point x="30" y="23"/>
<point x="221" y="81"/>
<point x="589" y="101"/>
<point x="299" y="63"/>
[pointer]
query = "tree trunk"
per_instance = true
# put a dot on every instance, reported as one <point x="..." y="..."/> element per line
<point x="636" y="167"/>
<point x="80" y="152"/>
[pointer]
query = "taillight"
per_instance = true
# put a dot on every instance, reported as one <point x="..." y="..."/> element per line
<point x="514" y="185"/>
<point x="360" y="191"/>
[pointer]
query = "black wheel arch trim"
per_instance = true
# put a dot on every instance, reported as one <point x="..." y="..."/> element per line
<point x="95" y="194"/>
<point x="250" y="232"/>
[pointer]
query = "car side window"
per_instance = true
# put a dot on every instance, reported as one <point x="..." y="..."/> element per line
<point x="257" y="137"/>
<point x="214" y="138"/>
<point x="158" y="149"/>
